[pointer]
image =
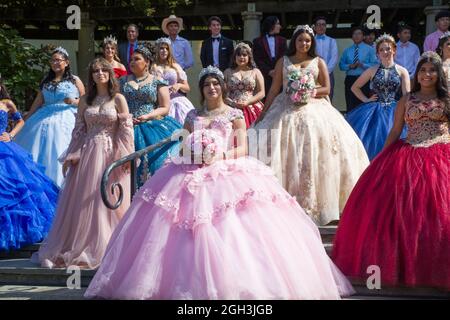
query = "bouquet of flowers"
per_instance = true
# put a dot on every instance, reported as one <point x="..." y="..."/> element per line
<point x="301" y="85"/>
<point x="203" y="145"/>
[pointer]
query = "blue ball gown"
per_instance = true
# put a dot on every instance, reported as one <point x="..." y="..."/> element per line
<point x="372" y="121"/>
<point x="27" y="197"/>
<point x="47" y="133"/>
<point x="142" y="101"/>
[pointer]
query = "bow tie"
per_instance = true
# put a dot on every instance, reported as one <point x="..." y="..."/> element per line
<point x="270" y="36"/>
<point x="216" y="39"/>
<point x="320" y="37"/>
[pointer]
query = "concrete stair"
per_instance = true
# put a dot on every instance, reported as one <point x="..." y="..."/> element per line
<point x="16" y="270"/>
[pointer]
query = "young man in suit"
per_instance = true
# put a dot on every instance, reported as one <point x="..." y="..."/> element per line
<point x="216" y="50"/>
<point x="268" y="48"/>
<point x="126" y="49"/>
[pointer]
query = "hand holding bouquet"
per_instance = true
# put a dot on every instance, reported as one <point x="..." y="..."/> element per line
<point x="301" y="86"/>
<point x="203" y="146"/>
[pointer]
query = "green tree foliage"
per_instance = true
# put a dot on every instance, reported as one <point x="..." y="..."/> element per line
<point x="22" y="67"/>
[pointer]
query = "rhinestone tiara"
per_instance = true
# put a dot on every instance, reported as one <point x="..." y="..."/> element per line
<point x="163" y="40"/>
<point x="304" y="27"/>
<point x="243" y="45"/>
<point x="61" y="50"/>
<point x="430" y="55"/>
<point x="111" y="39"/>
<point x="210" y="70"/>
<point x="445" y="35"/>
<point x="384" y="37"/>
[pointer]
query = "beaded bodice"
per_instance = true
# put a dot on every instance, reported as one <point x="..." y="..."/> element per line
<point x="3" y="121"/>
<point x="386" y="84"/>
<point x="221" y="124"/>
<point x="56" y="94"/>
<point x="141" y="100"/>
<point x="427" y="122"/>
<point x="241" y="89"/>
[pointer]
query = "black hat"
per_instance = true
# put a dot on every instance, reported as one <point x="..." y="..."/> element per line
<point x="442" y="14"/>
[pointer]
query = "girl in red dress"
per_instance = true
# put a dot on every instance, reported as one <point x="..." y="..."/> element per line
<point x="398" y="214"/>
<point x="109" y="47"/>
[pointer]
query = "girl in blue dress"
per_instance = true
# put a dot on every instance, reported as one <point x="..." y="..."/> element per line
<point x="51" y="119"/>
<point x="27" y="197"/>
<point x="373" y="119"/>
<point x="149" y="102"/>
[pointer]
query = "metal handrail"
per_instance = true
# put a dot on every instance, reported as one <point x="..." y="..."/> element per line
<point x="164" y="145"/>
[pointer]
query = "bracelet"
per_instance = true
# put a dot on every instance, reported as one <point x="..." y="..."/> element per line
<point x="11" y="137"/>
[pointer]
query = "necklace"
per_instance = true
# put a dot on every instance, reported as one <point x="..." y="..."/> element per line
<point x="141" y="80"/>
<point x="214" y="112"/>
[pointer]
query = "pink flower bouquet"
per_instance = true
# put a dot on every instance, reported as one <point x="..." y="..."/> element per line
<point x="203" y="145"/>
<point x="301" y="86"/>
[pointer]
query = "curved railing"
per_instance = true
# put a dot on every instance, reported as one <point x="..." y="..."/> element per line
<point x="163" y="146"/>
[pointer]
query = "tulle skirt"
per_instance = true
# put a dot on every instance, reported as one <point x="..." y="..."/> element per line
<point x="224" y="231"/>
<point x="252" y="112"/>
<point x="372" y="122"/>
<point x="27" y="198"/>
<point x="46" y="135"/>
<point x="148" y="133"/>
<point x="179" y="108"/>
<point x="398" y="218"/>
<point x="83" y="224"/>
<point x="314" y="153"/>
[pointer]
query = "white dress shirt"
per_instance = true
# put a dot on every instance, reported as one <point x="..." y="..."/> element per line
<point x="216" y="46"/>
<point x="271" y="42"/>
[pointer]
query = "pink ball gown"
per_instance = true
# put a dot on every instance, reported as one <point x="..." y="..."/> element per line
<point x="222" y="231"/>
<point x="83" y="224"/>
<point x="398" y="215"/>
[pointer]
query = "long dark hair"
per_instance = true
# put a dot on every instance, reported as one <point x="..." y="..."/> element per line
<point x="4" y="94"/>
<point x="268" y="24"/>
<point x="441" y="83"/>
<point x="440" y="46"/>
<point x="292" y="50"/>
<point x="242" y="48"/>
<point x="50" y="77"/>
<point x="201" y="83"/>
<point x="113" y="86"/>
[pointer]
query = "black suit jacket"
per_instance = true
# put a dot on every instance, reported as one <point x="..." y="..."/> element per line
<point x="123" y="53"/>
<point x="263" y="58"/>
<point x="226" y="49"/>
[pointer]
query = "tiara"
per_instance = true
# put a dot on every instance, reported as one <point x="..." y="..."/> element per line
<point x="145" y="51"/>
<point x="445" y="35"/>
<point x="210" y="70"/>
<point x="384" y="37"/>
<point x="430" y="55"/>
<point x="111" y="39"/>
<point x="304" y="27"/>
<point x="61" y="50"/>
<point x="243" y="45"/>
<point x="163" y="40"/>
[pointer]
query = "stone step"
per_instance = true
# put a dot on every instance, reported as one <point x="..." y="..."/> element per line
<point x="21" y="272"/>
<point x="22" y="253"/>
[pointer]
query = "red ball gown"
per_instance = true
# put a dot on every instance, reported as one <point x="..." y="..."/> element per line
<point x="397" y="216"/>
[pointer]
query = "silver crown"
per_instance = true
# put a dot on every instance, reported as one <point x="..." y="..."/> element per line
<point x="61" y="50"/>
<point x="163" y="40"/>
<point x="110" y="39"/>
<point x="304" y="27"/>
<point x="210" y="70"/>
<point x="445" y="35"/>
<point x="384" y="37"/>
<point x="243" y="45"/>
<point x="430" y="55"/>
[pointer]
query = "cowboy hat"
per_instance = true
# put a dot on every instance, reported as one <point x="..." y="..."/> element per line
<point x="171" y="18"/>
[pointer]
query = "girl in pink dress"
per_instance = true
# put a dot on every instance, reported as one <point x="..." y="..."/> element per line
<point x="222" y="230"/>
<point x="398" y="214"/>
<point x="103" y="133"/>
<point x="245" y="84"/>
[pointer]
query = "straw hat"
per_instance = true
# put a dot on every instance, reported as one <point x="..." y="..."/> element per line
<point x="171" y="18"/>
